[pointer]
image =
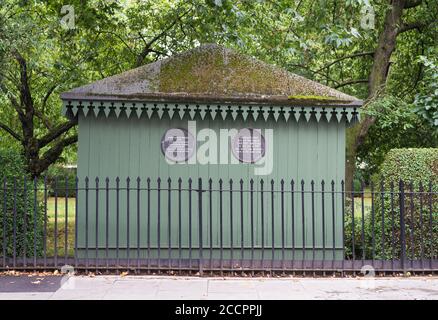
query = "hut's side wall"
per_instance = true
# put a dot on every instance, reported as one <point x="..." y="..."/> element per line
<point x="120" y="147"/>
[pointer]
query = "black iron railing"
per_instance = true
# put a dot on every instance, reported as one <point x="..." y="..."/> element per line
<point x="155" y="225"/>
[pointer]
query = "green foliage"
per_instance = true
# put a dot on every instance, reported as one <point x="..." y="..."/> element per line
<point x="397" y="126"/>
<point x="391" y="111"/>
<point x="418" y="169"/>
<point x="410" y="165"/>
<point x="322" y="40"/>
<point x="349" y="236"/>
<point x="15" y="202"/>
<point x="358" y="181"/>
<point x="421" y="232"/>
<point x="61" y="181"/>
<point x="426" y="102"/>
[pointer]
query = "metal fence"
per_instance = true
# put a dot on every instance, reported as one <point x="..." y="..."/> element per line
<point x="225" y="226"/>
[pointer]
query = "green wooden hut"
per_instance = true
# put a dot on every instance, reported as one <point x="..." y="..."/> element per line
<point x="127" y="121"/>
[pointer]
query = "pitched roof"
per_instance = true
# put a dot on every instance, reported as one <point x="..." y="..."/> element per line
<point x="211" y="73"/>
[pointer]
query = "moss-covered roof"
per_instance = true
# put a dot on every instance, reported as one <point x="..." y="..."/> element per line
<point x="211" y="73"/>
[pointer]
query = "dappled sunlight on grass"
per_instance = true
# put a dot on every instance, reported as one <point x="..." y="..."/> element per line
<point x="366" y="203"/>
<point x="58" y="208"/>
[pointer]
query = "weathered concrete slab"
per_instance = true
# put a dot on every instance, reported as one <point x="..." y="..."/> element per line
<point x="191" y="288"/>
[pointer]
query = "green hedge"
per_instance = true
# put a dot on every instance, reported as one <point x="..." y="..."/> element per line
<point x="418" y="169"/>
<point x="12" y="172"/>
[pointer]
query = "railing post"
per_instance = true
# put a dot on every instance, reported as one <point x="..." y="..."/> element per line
<point x="76" y="219"/>
<point x="107" y="181"/>
<point x="96" y="254"/>
<point x="4" y="220"/>
<point x="200" y="225"/>
<point x="169" y="223"/>
<point x="402" y="225"/>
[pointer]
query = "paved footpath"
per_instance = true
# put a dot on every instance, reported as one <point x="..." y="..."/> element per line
<point x="166" y="287"/>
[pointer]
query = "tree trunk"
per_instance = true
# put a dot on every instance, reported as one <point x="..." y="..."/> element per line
<point x="36" y="163"/>
<point x="376" y="83"/>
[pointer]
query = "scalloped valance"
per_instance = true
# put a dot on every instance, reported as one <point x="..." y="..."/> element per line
<point x="349" y="114"/>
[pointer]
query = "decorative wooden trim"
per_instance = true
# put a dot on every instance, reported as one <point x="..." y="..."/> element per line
<point x="170" y="110"/>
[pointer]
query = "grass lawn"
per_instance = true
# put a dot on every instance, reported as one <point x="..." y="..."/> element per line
<point x="367" y="203"/>
<point x="51" y="208"/>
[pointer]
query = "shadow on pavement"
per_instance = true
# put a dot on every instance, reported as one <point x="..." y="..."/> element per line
<point x="29" y="283"/>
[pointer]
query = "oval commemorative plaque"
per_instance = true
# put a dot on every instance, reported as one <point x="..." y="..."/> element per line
<point x="248" y="145"/>
<point x="177" y="144"/>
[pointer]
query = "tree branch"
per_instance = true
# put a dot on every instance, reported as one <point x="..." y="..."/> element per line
<point x="412" y="4"/>
<point x="43" y="119"/>
<point x="57" y="132"/>
<point x="12" y="99"/>
<point x="123" y="41"/>
<point x="354" y="55"/>
<point x="346" y="83"/>
<point x="25" y="95"/>
<point x="322" y="74"/>
<point x="47" y="96"/>
<point x="53" y="153"/>
<point x="11" y="132"/>
<point x="147" y="48"/>
<point x="410" y="26"/>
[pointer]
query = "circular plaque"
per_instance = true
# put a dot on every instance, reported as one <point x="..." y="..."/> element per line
<point x="248" y="145"/>
<point x="177" y="144"/>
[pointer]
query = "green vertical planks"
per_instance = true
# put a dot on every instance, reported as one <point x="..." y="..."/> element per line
<point x="130" y="147"/>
